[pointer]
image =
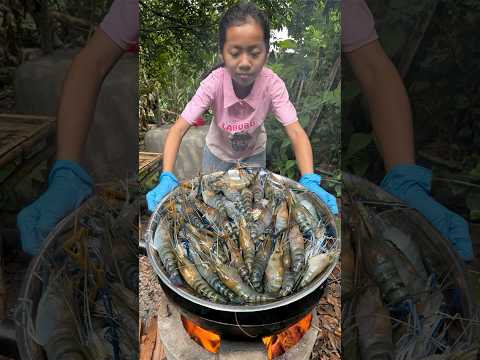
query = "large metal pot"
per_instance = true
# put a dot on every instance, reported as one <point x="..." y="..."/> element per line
<point x="244" y="321"/>
<point x="33" y="284"/>
<point x="439" y="252"/>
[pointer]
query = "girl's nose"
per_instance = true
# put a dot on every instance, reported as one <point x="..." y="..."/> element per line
<point x="244" y="63"/>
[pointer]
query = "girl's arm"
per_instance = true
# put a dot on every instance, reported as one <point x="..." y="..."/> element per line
<point x="80" y="93"/>
<point x="172" y="143"/>
<point x="388" y="103"/>
<point x="303" y="154"/>
<point x="301" y="147"/>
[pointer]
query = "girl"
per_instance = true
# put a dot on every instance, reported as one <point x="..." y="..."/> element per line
<point x="241" y="92"/>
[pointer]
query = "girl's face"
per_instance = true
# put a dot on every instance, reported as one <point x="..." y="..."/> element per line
<point x="244" y="52"/>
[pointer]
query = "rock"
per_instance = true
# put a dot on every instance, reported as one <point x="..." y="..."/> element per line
<point x="112" y="144"/>
<point x="189" y="158"/>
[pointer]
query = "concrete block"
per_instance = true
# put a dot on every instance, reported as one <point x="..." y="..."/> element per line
<point x="112" y="144"/>
<point x="189" y="158"/>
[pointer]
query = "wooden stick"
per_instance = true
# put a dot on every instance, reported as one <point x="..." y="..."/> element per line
<point x="148" y="340"/>
<point x="70" y="20"/>
<point x="331" y="79"/>
<point x="416" y="38"/>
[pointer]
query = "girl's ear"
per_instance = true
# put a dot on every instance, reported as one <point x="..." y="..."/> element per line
<point x="220" y="56"/>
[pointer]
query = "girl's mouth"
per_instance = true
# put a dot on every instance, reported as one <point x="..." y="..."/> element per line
<point x="244" y="77"/>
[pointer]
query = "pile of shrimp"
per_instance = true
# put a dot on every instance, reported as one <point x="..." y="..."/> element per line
<point x="88" y="308"/>
<point x="243" y="237"/>
<point x="397" y="301"/>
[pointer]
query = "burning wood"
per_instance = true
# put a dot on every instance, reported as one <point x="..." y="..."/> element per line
<point x="279" y="344"/>
<point x="206" y="339"/>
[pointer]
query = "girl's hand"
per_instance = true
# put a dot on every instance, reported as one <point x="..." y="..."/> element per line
<point x="168" y="182"/>
<point x="411" y="183"/>
<point x="312" y="183"/>
<point x="68" y="186"/>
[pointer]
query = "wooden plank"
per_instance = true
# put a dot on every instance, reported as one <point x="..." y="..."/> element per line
<point x="21" y="134"/>
<point x="148" y="161"/>
<point x="148" y="340"/>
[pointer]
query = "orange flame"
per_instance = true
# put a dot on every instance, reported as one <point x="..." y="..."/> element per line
<point x="279" y="344"/>
<point x="208" y="340"/>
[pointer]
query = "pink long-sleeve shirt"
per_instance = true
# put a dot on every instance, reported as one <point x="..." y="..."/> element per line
<point x="237" y="130"/>
<point x="358" y="26"/>
<point x="121" y="23"/>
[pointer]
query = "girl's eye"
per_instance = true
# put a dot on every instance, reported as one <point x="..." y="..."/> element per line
<point x="255" y="54"/>
<point x="234" y="54"/>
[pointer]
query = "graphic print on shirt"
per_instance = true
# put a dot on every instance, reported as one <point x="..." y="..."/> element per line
<point x="239" y="141"/>
<point x="230" y="127"/>
<point x="237" y="126"/>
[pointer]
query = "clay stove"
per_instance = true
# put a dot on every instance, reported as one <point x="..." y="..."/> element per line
<point x="178" y="344"/>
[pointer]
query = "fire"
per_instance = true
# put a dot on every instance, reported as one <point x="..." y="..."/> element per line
<point x="277" y="345"/>
<point x="208" y="340"/>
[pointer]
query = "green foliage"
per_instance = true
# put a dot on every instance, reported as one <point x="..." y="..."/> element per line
<point x="178" y="43"/>
<point x="442" y="81"/>
<point x="356" y="152"/>
<point x="305" y="71"/>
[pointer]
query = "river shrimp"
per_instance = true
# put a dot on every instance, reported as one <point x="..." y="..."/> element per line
<point x="273" y="190"/>
<point x="288" y="282"/>
<point x="260" y="263"/>
<point x="193" y="278"/>
<point x="246" y="244"/>
<point x="377" y="257"/>
<point x="374" y="326"/>
<point x="316" y="265"/>
<point x="234" y="179"/>
<point x="274" y="271"/>
<point x="302" y="199"/>
<point x="162" y="242"/>
<point x="297" y="248"/>
<point x="57" y="325"/>
<point x="212" y="199"/>
<point x="263" y="222"/>
<point x="246" y="197"/>
<point x="301" y="215"/>
<point x="258" y="186"/>
<point x="237" y="259"/>
<point x="232" y="211"/>
<point x="205" y="242"/>
<point x="303" y="218"/>
<point x="207" y="270"/>
<point x="213" y="216"/>
<point x="281" y="217"/>
<point x="232" y="280"/>
<point x="189" y="213"/>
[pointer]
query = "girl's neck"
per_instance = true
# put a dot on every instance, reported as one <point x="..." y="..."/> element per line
<point x="240" y="91"/>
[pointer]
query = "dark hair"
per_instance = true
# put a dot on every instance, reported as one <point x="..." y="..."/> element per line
<point x="239" y="14"/>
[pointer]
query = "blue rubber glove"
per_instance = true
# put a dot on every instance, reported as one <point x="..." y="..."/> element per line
<point x="68" y="186"/>
<point x="168" y="182"/>
<point x="312" y="183"/>
<point x="412" y="184"/>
